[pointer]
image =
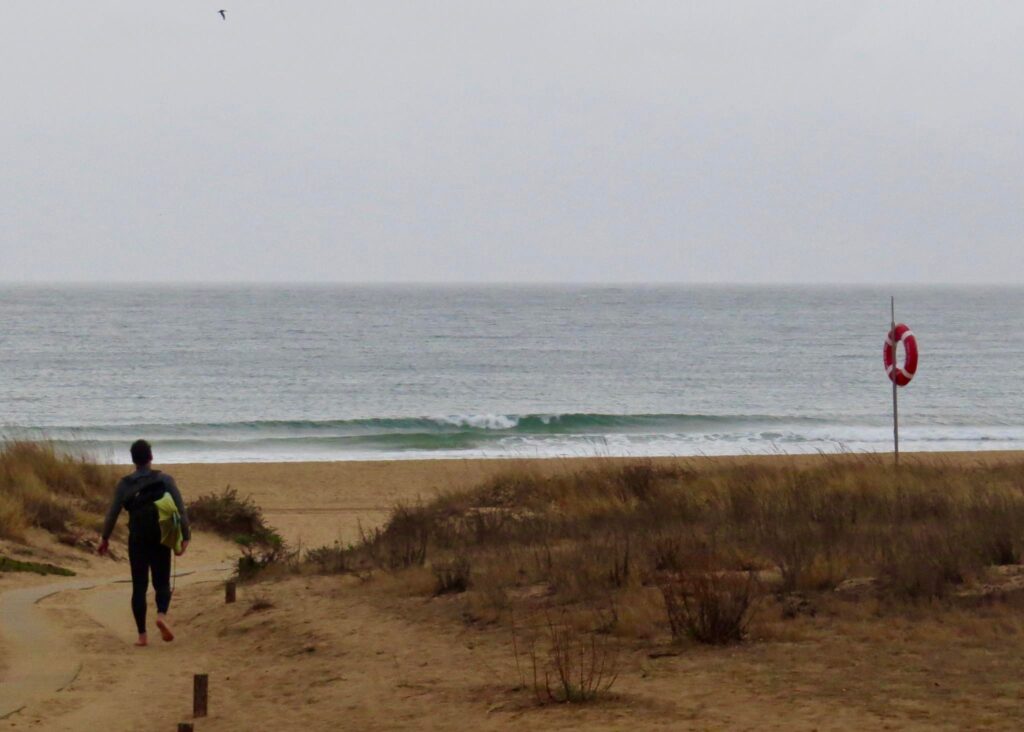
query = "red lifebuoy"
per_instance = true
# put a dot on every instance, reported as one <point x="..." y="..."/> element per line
<point x="900" y="374"/>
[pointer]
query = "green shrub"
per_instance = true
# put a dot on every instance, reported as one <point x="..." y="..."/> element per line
<point x="229" y="515"/>
<point x="260" y="553"/>
<point x="14" y="565"/>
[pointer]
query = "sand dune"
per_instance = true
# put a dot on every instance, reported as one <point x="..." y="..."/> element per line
<point x="326" y="653"/>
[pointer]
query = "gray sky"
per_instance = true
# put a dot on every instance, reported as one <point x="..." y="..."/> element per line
<point x="508" y="141"/>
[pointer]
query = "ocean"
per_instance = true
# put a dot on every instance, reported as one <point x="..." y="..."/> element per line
<point x="246" y="373"/>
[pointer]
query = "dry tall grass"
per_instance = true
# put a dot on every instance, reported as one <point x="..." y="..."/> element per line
<point x="710" y="539"/>
<point x="43" y="487"/>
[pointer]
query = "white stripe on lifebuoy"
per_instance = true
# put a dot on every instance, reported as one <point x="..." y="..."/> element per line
<point x="906" y="334"/>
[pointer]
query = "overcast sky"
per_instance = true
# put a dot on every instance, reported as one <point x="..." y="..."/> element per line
<point x="511" y="141"/>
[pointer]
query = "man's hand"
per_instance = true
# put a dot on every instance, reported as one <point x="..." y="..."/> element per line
<point x="103" y="547"/>
<point x="184" y="546"/>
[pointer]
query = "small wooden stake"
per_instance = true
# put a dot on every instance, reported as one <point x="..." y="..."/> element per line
<point x="200" y="687"/>
<point x="185" y="727"/>
<point x="229" y="592"/>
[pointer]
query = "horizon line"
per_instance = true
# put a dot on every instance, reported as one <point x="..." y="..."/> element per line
<point x="496" y="283"/>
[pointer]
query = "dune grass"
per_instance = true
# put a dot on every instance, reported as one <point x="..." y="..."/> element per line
<point x="43" y="487"/>
<point x="644" y="548"/>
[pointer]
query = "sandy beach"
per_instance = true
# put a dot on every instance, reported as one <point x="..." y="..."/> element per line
<point x="318" y="503"/>
<point x="330" y="652"/>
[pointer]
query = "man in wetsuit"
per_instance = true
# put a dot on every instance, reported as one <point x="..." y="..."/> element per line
<point x="137" y="493"/>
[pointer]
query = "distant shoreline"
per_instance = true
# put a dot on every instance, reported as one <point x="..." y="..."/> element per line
<point x="923" y="456"/>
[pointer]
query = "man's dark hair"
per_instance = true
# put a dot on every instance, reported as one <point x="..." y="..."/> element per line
<point x="142" y="453"/>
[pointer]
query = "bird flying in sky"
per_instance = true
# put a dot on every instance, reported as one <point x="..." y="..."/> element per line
<point x="223" y="14"/>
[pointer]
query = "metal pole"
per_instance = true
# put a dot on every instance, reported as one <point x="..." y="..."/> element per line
<point x="895" y="404"/>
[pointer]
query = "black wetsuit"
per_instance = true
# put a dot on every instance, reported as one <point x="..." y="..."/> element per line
<point x="136" y="493"/>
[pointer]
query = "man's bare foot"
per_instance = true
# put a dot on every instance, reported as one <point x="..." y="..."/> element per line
<point x="142" y="641"/>
<point x="165" y="628"/>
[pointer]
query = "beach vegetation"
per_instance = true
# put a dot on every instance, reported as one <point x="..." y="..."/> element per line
<point x="710" y="606"/>
<point x="46" y="488"/>
<point x="569" y="664"/>
<point x="402" y="542"/>
<point x="241" y="520"/>
<point x="700" y="552"/>
<point x="329" y="559"/>
<point x="451" y="575"/>
<point x="229" y="515"/>
<point x="260" y="552"/>
<point x="16" y="565"/>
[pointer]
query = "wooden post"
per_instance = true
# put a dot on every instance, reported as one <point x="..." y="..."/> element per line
<point x="185" y="727"/>
<point x="895" y="404"/>
<point x="200" y="688"/>
<point x="229" y="592"/>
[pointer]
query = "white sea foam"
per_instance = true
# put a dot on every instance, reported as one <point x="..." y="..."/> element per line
<point x="479" y="421"/>
<point x="794" y="439"/>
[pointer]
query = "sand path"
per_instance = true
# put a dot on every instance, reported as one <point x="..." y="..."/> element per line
<point x="39" y="659"/>
<point x="41" y="627"/>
